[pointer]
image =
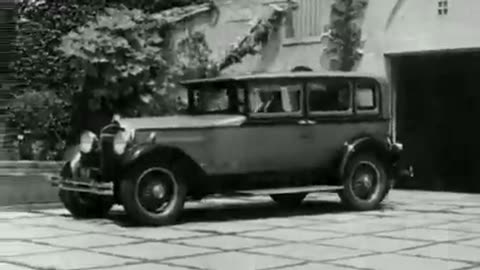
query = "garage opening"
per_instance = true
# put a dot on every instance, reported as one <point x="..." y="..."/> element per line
<point x="438" y="110"/>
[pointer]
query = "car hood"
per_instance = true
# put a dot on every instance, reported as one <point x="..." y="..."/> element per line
<point x="183" y="121"/>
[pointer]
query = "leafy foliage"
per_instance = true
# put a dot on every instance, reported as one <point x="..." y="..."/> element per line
<point x="120" y="53"/>
<point x="258" y="35"/>
<point x="41" y="115"/>
<point x="43" y="70"/>
<point x="40" y="28"/>
<point x="345" y="35"/>
<point x="193" y="57"/>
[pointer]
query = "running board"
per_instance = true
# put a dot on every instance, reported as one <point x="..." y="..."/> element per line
<point x="290" y="190"/>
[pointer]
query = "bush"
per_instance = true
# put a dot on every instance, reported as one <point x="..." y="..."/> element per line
<point x="43" y="120"/>
<point x="71" y="52"/>
<point x="121" y="54"/>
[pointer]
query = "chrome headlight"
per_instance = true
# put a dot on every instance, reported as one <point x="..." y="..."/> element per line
<point x="87" y="140"/>
<point x="121" y="141"/>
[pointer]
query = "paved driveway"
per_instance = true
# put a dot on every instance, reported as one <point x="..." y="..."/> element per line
<point x="414" y="230"/>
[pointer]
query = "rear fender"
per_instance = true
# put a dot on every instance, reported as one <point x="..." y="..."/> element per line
<point x="367" y="144"/>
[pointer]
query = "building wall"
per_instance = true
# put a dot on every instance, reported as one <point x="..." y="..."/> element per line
<point x="282" y="52"/>
<point x="389" y="27"/>
<point x="416" y="26"/>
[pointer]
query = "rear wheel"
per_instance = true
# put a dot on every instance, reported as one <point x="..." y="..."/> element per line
<point x="289" y="200"/>
<point x="153" y="195"/>
<point x="366" y="183"/>
<point x="85" y="205"/>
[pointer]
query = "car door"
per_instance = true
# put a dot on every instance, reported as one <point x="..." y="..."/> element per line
<point x="339" y="109"/>
<point x="273" y="138"/>
<point x="329" y="108"/>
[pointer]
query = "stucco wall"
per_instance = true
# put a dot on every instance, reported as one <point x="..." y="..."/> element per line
<point x="235" y="21"/>
<point x="414" y="26"/>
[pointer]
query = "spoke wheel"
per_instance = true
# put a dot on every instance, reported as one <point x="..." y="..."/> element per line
<point x="153" y="195"/>
<point x="365" y="184"/>
<point x="365" y="180"/>
<point x="155" y="190"/>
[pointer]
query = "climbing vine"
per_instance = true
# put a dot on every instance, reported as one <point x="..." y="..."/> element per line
<point x="257" y="37"/>
<point x="345" y="33"/>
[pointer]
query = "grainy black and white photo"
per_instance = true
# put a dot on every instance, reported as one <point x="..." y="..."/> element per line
<point x="239" y="135"/>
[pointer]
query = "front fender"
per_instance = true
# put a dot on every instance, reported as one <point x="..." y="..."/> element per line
<point x="149" y="152"/>
<point x="139" y="151"/>
<point x="382" y="147"/>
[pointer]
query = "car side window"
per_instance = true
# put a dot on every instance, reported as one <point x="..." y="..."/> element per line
<point x="366" y="94"/>
<point x="275" y="99"/>
<point x="329" y="96"/>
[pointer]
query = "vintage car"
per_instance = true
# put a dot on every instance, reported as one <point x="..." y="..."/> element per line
<point x="283" y="135"/>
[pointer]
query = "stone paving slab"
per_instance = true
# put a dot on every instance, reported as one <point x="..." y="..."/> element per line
<point x="91" y="240"/>
<point x="163" y="234"/>
<point x="67" y="260"/>
<point x="144" y="266"/>
<point x="401" y="262"/>
<point x="154" y="250"/>
<point x="19" y="248"/>
<point x="235" y="261"/>
<point x="430" y="235"/>
<point x="227" y="242"/>
<point x="294" y="234"/>
<point x="470" y="242"/>
<point x="413" y="230"/>
<point x="8" y="266"/>
<point x="316" y="266"/>
<point x="373" y="243"/>
<point x="310" y="252"/>
<point x="447" y="251"/>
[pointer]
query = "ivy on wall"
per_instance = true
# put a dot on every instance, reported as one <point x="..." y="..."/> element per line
<point x="258" y="36"/>
<point x="345" y="33"/>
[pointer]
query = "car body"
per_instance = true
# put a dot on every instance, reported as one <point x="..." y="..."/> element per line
<point x="278" y="134"/>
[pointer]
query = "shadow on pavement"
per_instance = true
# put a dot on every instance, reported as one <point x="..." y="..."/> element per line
<point x="247" y="211"/>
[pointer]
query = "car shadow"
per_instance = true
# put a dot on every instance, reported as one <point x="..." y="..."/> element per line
<point x="244" y="211"/>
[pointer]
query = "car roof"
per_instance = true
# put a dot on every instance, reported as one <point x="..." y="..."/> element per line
<point x="285" y="75"/>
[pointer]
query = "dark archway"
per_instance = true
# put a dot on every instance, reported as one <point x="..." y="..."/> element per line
<point x="438" y="105"/>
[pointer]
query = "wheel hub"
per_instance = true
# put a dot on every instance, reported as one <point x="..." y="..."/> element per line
<point x="158" y="191"/>
<point x="155" y="191"/>
<point x="365" y="181"/>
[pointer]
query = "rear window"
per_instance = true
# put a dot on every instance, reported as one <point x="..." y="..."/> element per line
<point x="366" y="93"/>
<point x="329" y="96"/>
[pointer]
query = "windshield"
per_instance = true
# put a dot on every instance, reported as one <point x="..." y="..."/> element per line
<point x="217" y="100"/>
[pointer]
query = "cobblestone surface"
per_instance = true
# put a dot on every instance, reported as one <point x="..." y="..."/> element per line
<point x="413" y="230"/>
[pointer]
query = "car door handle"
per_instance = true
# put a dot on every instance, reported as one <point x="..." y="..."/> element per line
<point x="302" y="122"/>
<point x="307" y="122"/>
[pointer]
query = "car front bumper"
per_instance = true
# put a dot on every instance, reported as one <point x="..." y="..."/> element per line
<point x="81" y="179"/>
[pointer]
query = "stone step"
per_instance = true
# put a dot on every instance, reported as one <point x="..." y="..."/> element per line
<point x="5" y="102"/>
<point x="9" y="155"/>
<point x="24" y="182"/>
<point x="26" y="189"/>
<point x="6" y="95"/>
<point x="7" y="137"/>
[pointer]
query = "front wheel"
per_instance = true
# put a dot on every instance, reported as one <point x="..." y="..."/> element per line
<point x="289" y="200"/>
<point x="153" y="195"/>
<point x="365" y="184"/>
<point x="84" y="205"/>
